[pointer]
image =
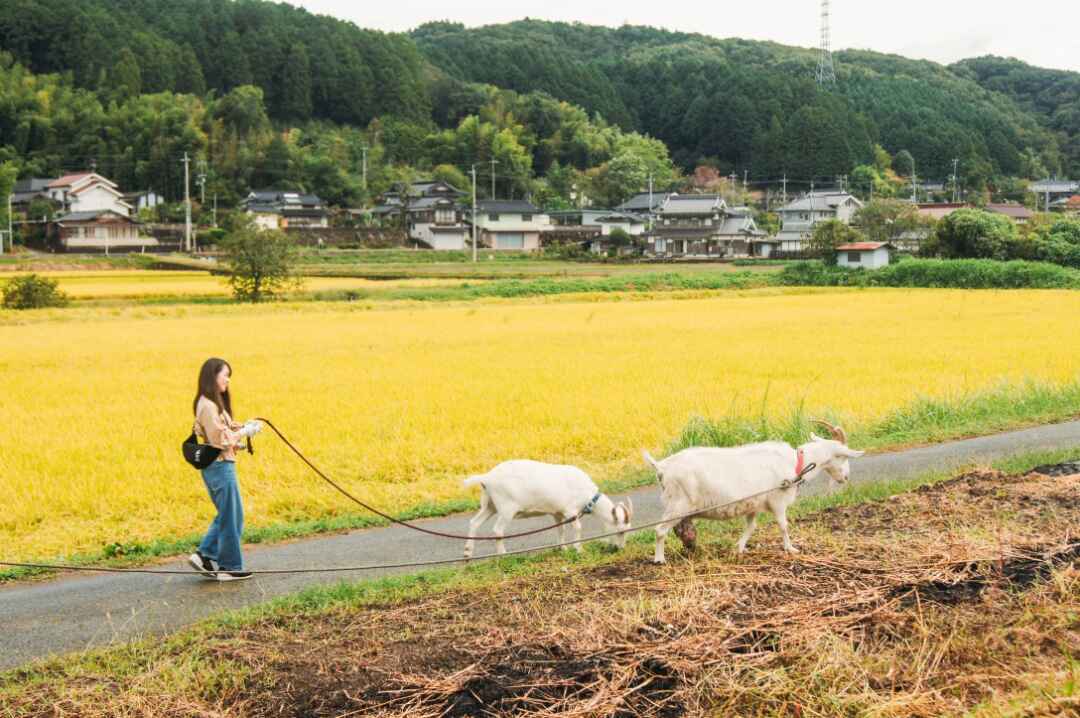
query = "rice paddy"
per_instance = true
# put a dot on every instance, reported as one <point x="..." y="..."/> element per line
<point x="401" y="403"/>
<point x="136" y="284"/>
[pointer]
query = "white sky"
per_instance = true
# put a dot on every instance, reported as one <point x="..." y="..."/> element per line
<point x="1045" y="33"/>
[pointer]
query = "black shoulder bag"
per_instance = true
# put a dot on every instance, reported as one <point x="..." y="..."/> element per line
<point x="200" y="456"/>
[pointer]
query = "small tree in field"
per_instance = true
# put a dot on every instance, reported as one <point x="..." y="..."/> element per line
<point x="261" y="263"/>
<point x="831" y="234"/>
<point x="32" y="292"/>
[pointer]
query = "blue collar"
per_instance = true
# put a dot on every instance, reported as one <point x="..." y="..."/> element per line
<point x="591" y="505"/>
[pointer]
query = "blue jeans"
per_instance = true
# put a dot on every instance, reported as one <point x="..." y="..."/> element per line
<point x="222" y="542"/>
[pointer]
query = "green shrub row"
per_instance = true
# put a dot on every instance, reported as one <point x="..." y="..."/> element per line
<point x="936" y="273"/>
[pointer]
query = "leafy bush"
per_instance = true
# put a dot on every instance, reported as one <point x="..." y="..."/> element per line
<point x="936" y="273"/>
<point x="1059" y="243"/>
<point x="33" y="292"/>
<point x="973" y="233"/>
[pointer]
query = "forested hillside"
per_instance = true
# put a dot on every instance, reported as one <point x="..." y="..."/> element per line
<point x="754" y="105"/>
<point x="262" y="93"/>
<point x="1053" y="96"/>
<point x="306" y="65"/>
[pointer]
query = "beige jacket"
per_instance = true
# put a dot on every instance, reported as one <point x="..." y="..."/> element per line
<point x="218" y="429"/>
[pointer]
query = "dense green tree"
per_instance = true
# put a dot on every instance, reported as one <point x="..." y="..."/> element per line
<point x="1059" y="242"/>
<point x="831" y="234"/>
<point x="189" y="75"/>
<point x="973" y="233"/>
<point x="886" y="220"/>
<point x="296" y="85"/>
<point x="261" y="263"/>
<point x="125" y="79"/>
<point x="904" y="163"/>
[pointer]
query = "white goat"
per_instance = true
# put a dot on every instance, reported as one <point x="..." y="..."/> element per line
<point x="701" y="478"/>
<point x="530" y="488"/>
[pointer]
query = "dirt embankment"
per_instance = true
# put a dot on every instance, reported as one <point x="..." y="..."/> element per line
<point x="926" y="604"/>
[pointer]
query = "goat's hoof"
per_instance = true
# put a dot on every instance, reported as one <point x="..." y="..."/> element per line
<point x="791" y="550"/>
<point x="659" y="561"/>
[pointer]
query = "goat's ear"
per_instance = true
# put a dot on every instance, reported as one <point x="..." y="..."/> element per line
<point x="851" y="453"/>
<point x="615" y="513"/>
<point x="629" y="509"/>
<point x="815" y="437"/>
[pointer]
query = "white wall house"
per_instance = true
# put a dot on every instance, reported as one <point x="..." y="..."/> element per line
<point x="88" y="192"/>
<point x="629" y="223"/>
<point x="798" y="218"/>
<point x="280" y="209"/>
<point x="864" y="255"/>
<point x="510" y="224"/>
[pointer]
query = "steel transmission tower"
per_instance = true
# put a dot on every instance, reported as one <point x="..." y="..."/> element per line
<point x="826" y="73"/>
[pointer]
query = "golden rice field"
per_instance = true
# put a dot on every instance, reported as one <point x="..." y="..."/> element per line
<point x="402" y="403"/>
<point x="131" y="284"/>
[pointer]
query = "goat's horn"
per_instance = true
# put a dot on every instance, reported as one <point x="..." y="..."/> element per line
<point x="837" y="432"/>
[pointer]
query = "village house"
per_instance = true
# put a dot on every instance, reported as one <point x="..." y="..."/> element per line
<point x="285" y="209"/>
<point x="1067" y="205"/>
<point x="87" y="192"/>
<point x="798" y="218"/>
<point x="510" y="224"/>
<point x="702" y="226"/>
<point x="592" y="226"/>
<point x="26" y="192"/>
<point x="1052" y="190"/>
<point x="143" y="199"/>
<point x="436" y="214"/>
<point x="864" y="255"/>
<point x="102" y="230"/>
<point x="1018" y="213"/>
<point x="643" y="204"/>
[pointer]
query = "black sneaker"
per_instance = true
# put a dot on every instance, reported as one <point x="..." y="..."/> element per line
<point x="232" y="575"/>
<point x="202" y="564"/>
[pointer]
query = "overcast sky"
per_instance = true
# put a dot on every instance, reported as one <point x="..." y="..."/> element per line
<point x="1043" y="33"/>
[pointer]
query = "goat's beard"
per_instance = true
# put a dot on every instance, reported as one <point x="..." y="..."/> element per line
<point x="687" y="534"/>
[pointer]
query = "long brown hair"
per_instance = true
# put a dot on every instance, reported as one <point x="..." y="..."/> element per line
<point x="208" y="386"/>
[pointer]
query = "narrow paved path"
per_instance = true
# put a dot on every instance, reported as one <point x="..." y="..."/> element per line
<point x="82" y="611"/>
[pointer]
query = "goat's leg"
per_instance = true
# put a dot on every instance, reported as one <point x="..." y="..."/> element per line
<point x="486" y="512"/>
<point x="781" y="520"/>
<point x="559" y="518"/>
<point x="661" y="539"/>
<point x="500" y="531"/>
<point x="577" y="535"/>
<point x="751" y="524"/>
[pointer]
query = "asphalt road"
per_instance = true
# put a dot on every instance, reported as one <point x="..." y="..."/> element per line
<point x="80" y="611"/>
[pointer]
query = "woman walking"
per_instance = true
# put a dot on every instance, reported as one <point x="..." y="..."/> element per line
<point x="219" y="555"/>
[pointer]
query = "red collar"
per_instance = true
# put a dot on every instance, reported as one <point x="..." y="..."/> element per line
<point x="800" y="463"/>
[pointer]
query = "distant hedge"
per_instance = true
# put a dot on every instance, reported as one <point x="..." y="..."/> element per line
<point x="936" y="273"/>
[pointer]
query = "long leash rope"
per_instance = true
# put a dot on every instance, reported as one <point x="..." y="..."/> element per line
<point x="788" y="483"/>
<point x="406" y="524"/>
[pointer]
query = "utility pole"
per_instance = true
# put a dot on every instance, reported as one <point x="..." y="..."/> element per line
<point x="474" y="250"/>
<point x="493" y="163"/>
<point x="202" y="183"/>
<point x="745" y="175"/>
<point x="10" y="227"/>
<point x="955" y="181"/>
<point x="187" y="203"/>
<point x="215" y="210"/>
<point x="364" y="149"/>
<point x="650" y="201"/>
<point x="784" y="183"/>
<point x="914" y="184"/>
